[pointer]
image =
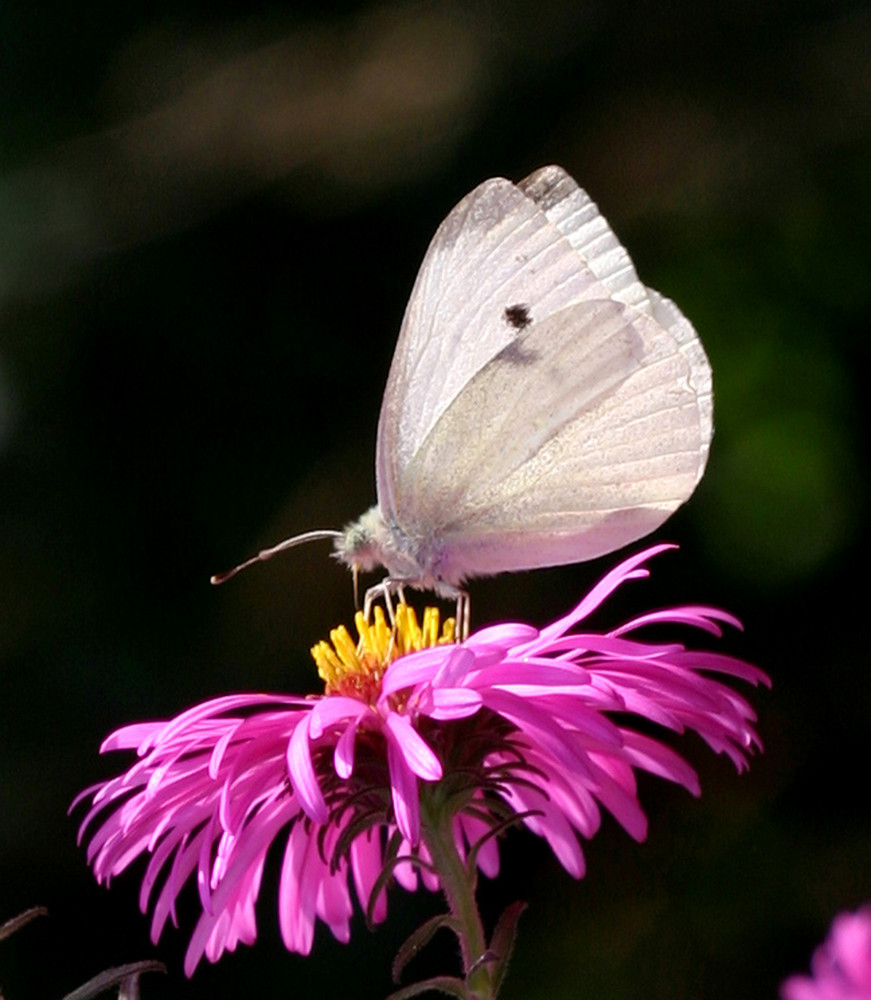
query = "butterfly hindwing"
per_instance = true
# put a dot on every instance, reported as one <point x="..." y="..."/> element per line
<point x="585" y="430"/>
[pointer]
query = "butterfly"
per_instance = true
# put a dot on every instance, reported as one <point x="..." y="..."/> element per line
<point x="543" y="406"/>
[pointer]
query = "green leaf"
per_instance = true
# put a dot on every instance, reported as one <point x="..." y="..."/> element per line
<point x="449" y="985"/>
<point x="502" y="942"/>
<point x="419" y="939"/>
<point x="11" y="926"/>
<point x="384" y="877"/>
<point x="126" y="977"/>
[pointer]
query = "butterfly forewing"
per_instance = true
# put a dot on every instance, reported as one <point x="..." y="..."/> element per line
<point x="578" y="218"/>
<point x="495" y="251"/>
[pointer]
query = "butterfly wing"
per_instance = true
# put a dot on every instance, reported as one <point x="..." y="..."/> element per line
<point x="495" y="250"/>
<point x="578" y="218"/>
<point x="543" y="406"/>
<point x="667" y="314"/>
<point x="581" y="436"/>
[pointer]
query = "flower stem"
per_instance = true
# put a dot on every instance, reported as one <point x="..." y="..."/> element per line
<point x="458" y="884"/>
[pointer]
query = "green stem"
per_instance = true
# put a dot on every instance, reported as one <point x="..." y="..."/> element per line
<point x="458" y="885"/>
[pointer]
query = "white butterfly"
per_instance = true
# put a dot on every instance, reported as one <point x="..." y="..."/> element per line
<point x="543" y="407"/>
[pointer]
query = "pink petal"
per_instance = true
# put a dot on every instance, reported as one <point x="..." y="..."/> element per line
<point x="302" y="775"/>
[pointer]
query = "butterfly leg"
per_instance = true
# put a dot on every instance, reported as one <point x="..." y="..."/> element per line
<point x="381" y="591"/>
<point x="384" y="591"/>
<point x="464" y="610"/>
<point x="390" y="586"/>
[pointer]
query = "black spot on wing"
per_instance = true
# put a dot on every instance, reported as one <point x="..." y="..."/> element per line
<point x="517" y="316"/>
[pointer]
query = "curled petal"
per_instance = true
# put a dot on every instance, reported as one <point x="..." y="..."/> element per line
<point x="302" y="774"/>
<point x="403" y="790"/>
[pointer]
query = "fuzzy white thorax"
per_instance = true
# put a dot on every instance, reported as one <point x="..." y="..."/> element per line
<point x="371" y="541"/>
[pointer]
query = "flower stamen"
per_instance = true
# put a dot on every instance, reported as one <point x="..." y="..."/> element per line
<point x="356" y="670"/>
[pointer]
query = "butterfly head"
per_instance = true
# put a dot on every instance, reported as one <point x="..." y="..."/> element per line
<point x="361" y="545"/>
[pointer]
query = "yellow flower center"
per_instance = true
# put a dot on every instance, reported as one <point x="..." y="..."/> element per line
<point x="356" y="670"/>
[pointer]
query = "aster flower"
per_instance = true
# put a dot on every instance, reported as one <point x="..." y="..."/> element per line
<point x="841" y="966"/>
<point x="420" y="751"/>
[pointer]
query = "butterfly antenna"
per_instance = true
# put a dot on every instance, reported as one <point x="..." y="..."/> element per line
<point x="264" y="554"/>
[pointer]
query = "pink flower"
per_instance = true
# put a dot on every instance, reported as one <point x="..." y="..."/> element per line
<point x="513" y="725"/>
<point x="841" y="966"/>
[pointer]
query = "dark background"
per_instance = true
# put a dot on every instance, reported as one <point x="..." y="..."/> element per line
<point x="211" y="216"/>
